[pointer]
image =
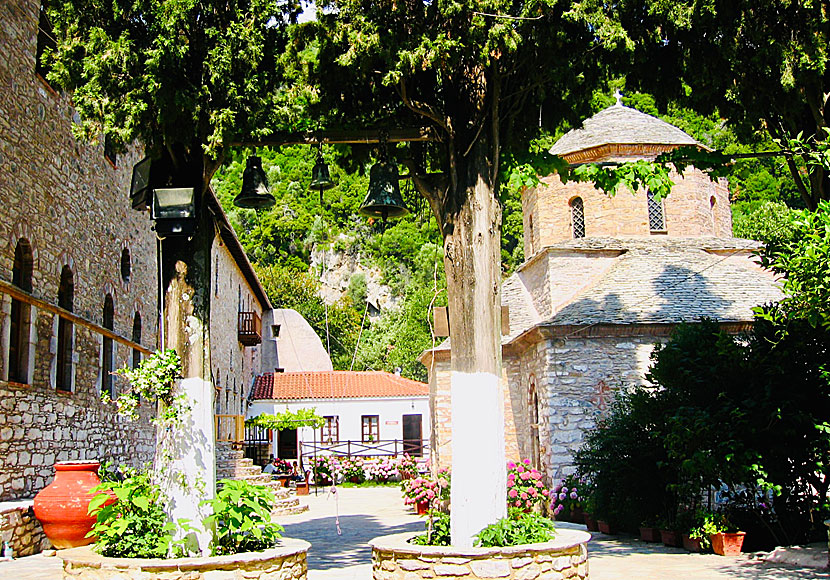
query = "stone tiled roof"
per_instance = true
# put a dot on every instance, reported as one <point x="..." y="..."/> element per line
<point x="335" y="385"/>
<point x="669" y="282"/>
<point x="619" y="124"/>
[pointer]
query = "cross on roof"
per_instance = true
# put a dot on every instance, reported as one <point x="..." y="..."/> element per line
<point x="618" y="96"/>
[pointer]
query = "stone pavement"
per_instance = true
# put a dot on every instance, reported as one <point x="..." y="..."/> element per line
<point x="369" y="512"/>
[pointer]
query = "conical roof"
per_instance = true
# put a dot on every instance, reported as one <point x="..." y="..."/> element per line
<point x="620" y="125"/>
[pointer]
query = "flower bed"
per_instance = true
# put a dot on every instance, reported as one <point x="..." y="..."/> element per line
<point x="394" y="558"/>
<point x="285" y="562"/>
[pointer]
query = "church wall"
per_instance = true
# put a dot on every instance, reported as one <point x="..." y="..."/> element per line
<point x="688" y="211"/>
<point x="72" y="205"/>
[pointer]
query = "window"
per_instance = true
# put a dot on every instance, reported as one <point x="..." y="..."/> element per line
<point x="330" y="431"/>
<point x="136" y="337"/>
<point x="126" y="265"/>
<point x="370" y="430"/>
<point x="45" y="40"/>
<point x="656" y="217"/>
<point x="107" y="366"/>
<point x="109" y="151"/>
<point x="66" y="335"/>
<point x="20" y="316"/>
<point x="577" y="217"/>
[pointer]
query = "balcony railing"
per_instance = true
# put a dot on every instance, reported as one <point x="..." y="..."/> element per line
<point x="230" y="428"/>
<point x="250" y="328"/>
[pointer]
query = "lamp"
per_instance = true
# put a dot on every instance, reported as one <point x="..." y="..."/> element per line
<point x="174" y="211"/>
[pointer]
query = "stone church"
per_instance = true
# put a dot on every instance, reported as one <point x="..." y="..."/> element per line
<point x="605" y="279"/>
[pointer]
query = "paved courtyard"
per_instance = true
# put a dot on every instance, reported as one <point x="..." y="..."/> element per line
<point x="366" y="513"/>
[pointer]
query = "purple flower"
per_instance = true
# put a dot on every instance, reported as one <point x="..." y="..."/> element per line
<point x="574" y="495"/>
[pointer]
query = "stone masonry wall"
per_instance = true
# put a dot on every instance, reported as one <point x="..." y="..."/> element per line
<point x="234" y="365"/>
<point x="20" y="528"/>
<point x="72" y="205"/>
<point x="576" y="381"/>
<point x="688" y="211"/>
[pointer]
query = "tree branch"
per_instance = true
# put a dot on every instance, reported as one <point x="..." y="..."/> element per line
<point x="422" y="109"/>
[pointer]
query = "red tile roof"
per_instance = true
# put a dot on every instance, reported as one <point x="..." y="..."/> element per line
<point x="335" y="385"/>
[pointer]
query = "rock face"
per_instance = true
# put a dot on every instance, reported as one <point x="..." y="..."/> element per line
<point x="335" y="269"/>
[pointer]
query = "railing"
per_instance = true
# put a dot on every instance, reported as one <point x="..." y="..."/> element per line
<point x="380" y="448"/>
<point x="230" y="428"/>
<point x="250" y="328"/>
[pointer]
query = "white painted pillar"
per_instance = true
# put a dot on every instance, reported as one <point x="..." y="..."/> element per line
<point x="479" y="473"/>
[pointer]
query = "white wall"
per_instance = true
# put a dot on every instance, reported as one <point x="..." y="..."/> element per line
<point x="389" y="410"/>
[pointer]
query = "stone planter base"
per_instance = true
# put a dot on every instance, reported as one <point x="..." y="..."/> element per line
<point x="285" y="562"/>
<point x="393" y="558"/>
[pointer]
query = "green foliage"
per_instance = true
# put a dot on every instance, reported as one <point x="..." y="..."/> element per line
<point x="438" y="530"/>
<point x="357" y="291"/>
<point x="771" y="222"/>
<point x="804" y="260"/>
<point x="153" y="380"/>
<point x="242" y="516"/>
<point x="135" y="525"/>
<point x="518" y="528"/>
<point x="287" y="420"/>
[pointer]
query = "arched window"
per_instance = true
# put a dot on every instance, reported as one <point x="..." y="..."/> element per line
<point x="126" y="265"/>
<point x="533" y="415"/>
<point x="19" y="351"/>
<point x="107" y="362"/>
<point x="66" y="334"/>
<point x="656" y="216"/>
<point x="577" y="217"/>
<point x="136" y="338"/>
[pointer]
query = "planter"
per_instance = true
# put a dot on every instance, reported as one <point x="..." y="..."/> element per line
<point x="691" y="544"/>
<point x="671" y="538"/>
<point x="62" y="506"/>
<point x="591" y="523"/>
<point x="285" y="562"/>
<point x="421" y="507"/>
<point x="577" y="516"/>
<point x="394" y="558"/>
<point x="606" y="527"/>
<point x="725" y="544"/>
<point x="355" y="479"/>
<point x="648" y="534"/>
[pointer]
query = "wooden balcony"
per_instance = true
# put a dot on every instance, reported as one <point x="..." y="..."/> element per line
<point x="250" y="328"/>
<point x="230" y="428"/>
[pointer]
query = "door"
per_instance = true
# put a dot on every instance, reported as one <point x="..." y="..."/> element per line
<point x="287" y="444"/>
<point x="412" y="443"/>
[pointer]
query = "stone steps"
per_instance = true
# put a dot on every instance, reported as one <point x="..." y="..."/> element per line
<point x="290" y="506"/>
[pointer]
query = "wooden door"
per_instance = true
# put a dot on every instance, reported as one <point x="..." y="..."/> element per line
<point x="412" y="443"/>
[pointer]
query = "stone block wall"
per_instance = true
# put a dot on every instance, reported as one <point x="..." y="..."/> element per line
<point x="688" y="210"/>
<point x="234" y="365"/>
<point x="72" y="206"/>
<point x="20" y="527"/>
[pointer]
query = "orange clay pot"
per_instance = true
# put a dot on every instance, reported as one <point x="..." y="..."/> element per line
<point x="62" y="506"/>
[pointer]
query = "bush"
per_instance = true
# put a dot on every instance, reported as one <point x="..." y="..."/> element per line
<point x="242" y="515"/>
<point x="517" y="528"/>
<point x="524" y="486"/>
<point x="438" y="530"/>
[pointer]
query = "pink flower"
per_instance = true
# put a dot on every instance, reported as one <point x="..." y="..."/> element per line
<point x="539" y="483"/>
<point x="524" y="475"/>
<point x="532" y="491"/>
<point x="524" y="495"/>
<point x="511" y="465"/>
<point x="545" y="493"/>
<point x="527" y="461"/>
<point x="536" y="475"/>
<point x="512" y="493"/>
<point x="557" y="488"/>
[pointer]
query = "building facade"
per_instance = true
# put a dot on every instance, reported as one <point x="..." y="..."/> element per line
<point x="605" y="280"/>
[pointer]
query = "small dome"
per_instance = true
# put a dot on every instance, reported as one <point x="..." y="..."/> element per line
<point x="620" y="125"/>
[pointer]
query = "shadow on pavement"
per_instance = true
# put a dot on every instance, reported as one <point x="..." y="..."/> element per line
<point x="330" y="550"/>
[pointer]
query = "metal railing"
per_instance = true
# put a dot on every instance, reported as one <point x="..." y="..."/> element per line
<point x="380" y="448"/>
<point x="250" y="328"/>
<point x="230" y="428"/>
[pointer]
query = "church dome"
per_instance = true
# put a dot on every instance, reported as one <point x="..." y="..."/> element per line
<point x="620" y="125"/>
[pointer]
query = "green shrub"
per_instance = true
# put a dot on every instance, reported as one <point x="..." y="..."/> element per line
<point x="439" y="532"/>
<point x="135" y="526"/>
<point x="242" y="514"/>
<point x="517" y="528"/>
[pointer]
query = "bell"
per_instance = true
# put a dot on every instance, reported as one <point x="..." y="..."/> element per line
<point x="254" y="194"/>
<point x="320" y="178"/>
<point x="384" y="198"/>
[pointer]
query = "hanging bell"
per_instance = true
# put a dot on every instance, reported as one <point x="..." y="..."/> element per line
<point x="320" y="178"/>
<point x="254" y="194"/>
<point x="384" y="198"/>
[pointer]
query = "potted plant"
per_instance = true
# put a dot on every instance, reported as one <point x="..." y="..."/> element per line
<point x="420" y="493"/>
<point x="649" y="532"/>
<point x="352" y="469"/>
<point x="588" y="514"/>
<point x="726" y="539"/>
<point x="703" y="523"/>
<point x="525" y="489"/>
<point x="325" y="469"/>
<point x="567" y="502"/>
<point x="669" y="534"/>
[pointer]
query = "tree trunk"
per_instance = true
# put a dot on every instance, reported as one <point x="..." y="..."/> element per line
<point x="188" y="455"/>
<point x="472" y="261"/>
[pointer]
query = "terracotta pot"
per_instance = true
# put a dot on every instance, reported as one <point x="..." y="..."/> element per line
<point x="671" y="538"/>
<point x="62" y="506"/>
<point x="577" y="516"/>
<point x="421" y="507"/>
<point x="691" y="544"/>
<point x="591" y="523"/>
<point x="648" y="534"/>
<point x="606" y="527"/>
<point x="727" y="544"/>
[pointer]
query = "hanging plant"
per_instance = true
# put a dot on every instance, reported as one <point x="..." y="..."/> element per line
<point x="287" y="420"/>
<point x="153" y="379"/>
